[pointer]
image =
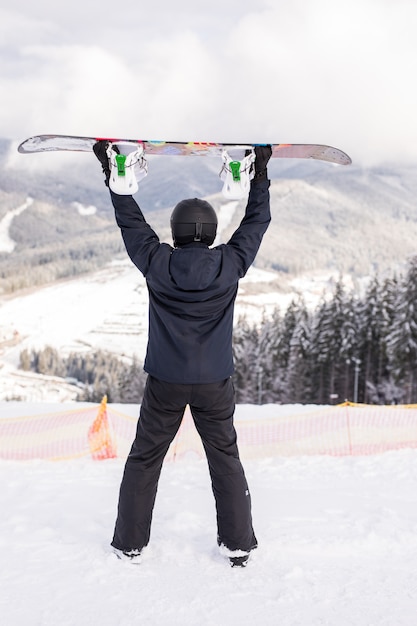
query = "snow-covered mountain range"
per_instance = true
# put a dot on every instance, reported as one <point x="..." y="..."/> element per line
<point x="326" y="218"/>
<point x="58" y="241"/>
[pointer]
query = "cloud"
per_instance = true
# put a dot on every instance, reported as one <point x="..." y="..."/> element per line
<point x="60" y="86"/>
<point x="320" y="71"/>
<point x="334" y="73"/>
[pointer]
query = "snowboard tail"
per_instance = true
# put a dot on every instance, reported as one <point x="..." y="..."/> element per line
<point x="51" y="143"/>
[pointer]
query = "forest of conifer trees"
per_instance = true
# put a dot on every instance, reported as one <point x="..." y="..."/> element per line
<point x="351" y="347"/>
<point x="361" y="348"/>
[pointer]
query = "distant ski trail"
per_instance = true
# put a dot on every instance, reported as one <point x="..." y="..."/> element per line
<point x="6" y="242"/>
<point x="224" y="218"/>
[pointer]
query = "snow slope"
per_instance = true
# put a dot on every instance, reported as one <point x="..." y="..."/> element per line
<point x="6" y="242"/>
<point x="337" y="546"/>
<point x="105" y="310"/>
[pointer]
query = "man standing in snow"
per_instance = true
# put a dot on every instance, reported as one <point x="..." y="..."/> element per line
<point x="192" y="291"/>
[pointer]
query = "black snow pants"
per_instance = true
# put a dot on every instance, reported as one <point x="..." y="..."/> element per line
<point x="212" y="407"/>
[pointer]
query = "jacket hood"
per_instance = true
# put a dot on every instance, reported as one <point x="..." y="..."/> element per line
<point x="194" y="268"/>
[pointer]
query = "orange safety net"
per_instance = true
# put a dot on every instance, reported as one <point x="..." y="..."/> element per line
<point x="103" y="433"/>
<point x="345" y="429"/>
<point x="52" y="436"/>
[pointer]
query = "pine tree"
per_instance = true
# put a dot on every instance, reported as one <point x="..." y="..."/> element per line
<point x="49" y="362"/>
<point x="388" y="390"/>
<point x="270" y="373"/>
<point x="349" y="360"/>
<point x="375" y="316"/>
<point x="402" y="340"/>
<point x="322" y="352"/>
<point x="25" y="360"/>
<point x="332" y="346"/>
<point x="298" y="375"/>
<point x="131" y="384"/>
<point x="245" y="347"/>
<point x="289" y="322"/>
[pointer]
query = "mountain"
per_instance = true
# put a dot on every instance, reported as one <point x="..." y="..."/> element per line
<point x="325" y="219"/>
<point x="328" y="220"/>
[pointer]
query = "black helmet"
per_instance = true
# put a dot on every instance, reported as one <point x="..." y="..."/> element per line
<point x="193" y="220"/>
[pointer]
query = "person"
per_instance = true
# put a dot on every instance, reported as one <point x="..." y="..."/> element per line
<point x="189" y="360"/>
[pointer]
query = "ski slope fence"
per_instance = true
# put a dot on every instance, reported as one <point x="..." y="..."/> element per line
<point x="101" y="432"/>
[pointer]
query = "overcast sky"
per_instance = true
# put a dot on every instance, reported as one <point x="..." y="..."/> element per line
<point x="290" y="71"/>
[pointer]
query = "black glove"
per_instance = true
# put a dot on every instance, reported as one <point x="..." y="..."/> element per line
<point x="262" y="156"/>
<point x="100" y="150"/>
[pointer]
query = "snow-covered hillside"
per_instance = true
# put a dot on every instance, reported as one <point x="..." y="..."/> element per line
<point x="106" y="310"/>
<point x="322" y="220"/>
<point x="337" y="545"/>
<point x="6" y="242"/>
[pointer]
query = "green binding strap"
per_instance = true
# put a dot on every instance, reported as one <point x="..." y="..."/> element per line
<point x="235" y="169"/>
<point x="120" y="162"/>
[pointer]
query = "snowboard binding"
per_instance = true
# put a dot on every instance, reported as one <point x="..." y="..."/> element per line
<point x="126" y="170"/>
<point x="237" y="174"/>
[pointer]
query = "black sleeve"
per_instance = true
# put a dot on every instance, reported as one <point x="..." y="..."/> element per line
<point x="139" y="238"/>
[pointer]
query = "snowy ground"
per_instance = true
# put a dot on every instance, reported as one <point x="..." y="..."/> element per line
<point x="337" y="545"/>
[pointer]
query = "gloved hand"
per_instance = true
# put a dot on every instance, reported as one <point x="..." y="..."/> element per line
<point x="262" y="156"/>
<point x="100" y="150"/>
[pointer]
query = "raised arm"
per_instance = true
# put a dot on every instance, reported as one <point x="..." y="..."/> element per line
<point x="139" y="238"/>
<point x="246" y="240"/>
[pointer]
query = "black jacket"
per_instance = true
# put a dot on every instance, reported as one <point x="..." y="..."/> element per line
<point x="192" y="291"/>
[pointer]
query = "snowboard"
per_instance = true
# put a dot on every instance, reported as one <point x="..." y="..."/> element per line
<point x="51" y="143"/>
